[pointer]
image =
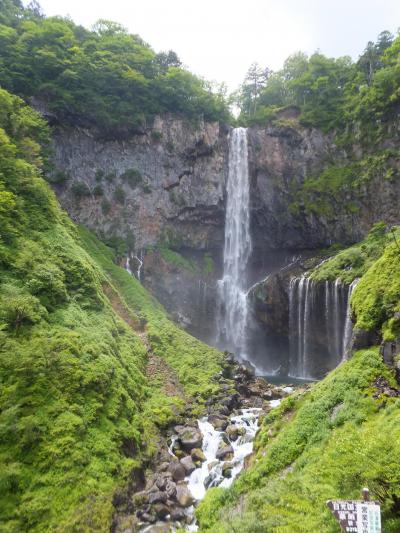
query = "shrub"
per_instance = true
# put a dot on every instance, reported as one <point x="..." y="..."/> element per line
<point x="132" y="176"/>
<point x="80" y="190"/>
<point x="156" y="135"/>
<point x="99" y="174"/>
<point x="98" y="190"/>
<point x="106" y="206"/>
<point x="18" y="308"/>
<point x="119" y="195"/>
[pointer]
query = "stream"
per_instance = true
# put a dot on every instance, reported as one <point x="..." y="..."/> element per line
<point x="225" y="456"/>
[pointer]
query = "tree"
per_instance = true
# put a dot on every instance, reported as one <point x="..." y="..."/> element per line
<point x="164" y="60"/>
<point x="255" y="80"/>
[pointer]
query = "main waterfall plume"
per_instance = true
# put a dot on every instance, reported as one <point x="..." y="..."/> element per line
<point x="233" y="306"/>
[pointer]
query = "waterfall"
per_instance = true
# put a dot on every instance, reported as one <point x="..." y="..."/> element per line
<point x="233" y="307"/>
<point x="348" y="327"/>
<point x="139" y="263"/>
<point x="320" y="325"/>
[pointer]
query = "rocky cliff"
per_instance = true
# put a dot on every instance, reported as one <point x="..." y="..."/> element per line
<point x="163" y="193"/>
<point x="164" y="184"/>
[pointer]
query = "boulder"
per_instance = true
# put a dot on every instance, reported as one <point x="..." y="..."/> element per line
<point x="234" y="432"/>
<point x="147" y="517"/>
<point x="227" y="469"/>
<point x="219" y="422"/>
<point x="190" y="438"/>
<point x="230" y="401"/>
<point x="188" y="464"/>
<point x="177" y="470"/>
<point x="157" y="497"/>
<point x="225" y="453"/>
<point x="140" y="498"/>
<point x="170" y="489"/>
<point x="163" y="467"/>
<point x="161" y="510"/>
<point x="161" y="480"/>
<point x="183" y="496"/>
<point x="198" y="455"/>
<point x="212" y="465"/>
<point x="178" y="515"/>
<point x="212" y="479"/>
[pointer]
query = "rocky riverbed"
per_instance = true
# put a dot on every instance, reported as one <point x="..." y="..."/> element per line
<point x="200" y="453"/>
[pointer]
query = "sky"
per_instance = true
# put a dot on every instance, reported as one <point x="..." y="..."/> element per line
<point x="219" y="39"/>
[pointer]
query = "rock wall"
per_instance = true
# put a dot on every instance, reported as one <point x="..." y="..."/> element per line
<point x="165" y="187"/>
<point x="164" y="184"/>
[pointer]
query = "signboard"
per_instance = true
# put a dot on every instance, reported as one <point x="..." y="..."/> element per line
<point x="357" y="516"/>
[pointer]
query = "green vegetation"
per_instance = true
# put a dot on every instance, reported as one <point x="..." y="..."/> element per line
<point x="340" y="186"/>
<point x="106" y="77"/>
<point x="176" y="259"/>
<point x="329" y="93"/>
<point x="194" y="362"/>
<point x="323" y="444"/>
<point x="133" y="177"/>
<point x="353" y="262"/>
<point x="376" y="299"/>
<point x="77" y="411"/>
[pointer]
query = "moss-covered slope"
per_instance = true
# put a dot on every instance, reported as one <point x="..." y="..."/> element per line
<point x="77" y="410"/>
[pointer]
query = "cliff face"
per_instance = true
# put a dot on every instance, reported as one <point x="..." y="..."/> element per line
<point x="165" y="189"/>
<point x="165" y="184"/>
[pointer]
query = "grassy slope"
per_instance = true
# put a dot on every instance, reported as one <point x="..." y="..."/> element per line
<point x="194" y="362"/>
<point x="327" y="443"/>
<point x="77" y="411"/>
<point x="376" y="299"/>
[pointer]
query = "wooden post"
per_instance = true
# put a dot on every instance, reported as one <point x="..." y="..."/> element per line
<point x="365" y="494"/>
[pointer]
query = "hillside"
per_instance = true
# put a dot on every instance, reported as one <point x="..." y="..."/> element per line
<point x="78" y="412"/>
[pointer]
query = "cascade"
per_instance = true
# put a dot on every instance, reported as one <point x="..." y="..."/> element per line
<point x="232" y="296"/>
<point x="348" y="326"/>
<point x="320" y="326"/>
<point x="131" y="258"/>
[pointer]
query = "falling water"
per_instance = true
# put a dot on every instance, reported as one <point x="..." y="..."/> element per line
<point x="348" y="327"/>
<point x="233" y="307"/>
<point x="139" y="262"/>
<point x="320" y="325"/>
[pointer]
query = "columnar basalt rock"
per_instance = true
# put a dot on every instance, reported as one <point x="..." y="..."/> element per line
<point x="166" y="183"/>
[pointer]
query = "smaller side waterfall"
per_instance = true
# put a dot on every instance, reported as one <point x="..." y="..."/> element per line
<point x="348" y="326"/>
<point x="137" y="261"/>
<point x="320" y="326"/>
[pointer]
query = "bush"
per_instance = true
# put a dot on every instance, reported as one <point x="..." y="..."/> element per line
<point x="106" y="206"/>
<point x="80" y="190"/>
<point x="98" y="190"/>
<point x="133" y="177"/>
<point x="19" y="308"/>
<point x="119" y="195"/>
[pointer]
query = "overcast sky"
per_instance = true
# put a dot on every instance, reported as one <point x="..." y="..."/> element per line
<point x="219" y="39"/>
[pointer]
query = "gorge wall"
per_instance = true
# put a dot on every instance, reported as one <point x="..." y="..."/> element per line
<point x="162" y="192"/>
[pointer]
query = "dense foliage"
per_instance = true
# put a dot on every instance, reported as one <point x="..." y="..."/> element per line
<point x="77" y="411"/>
<point x="330" y="93"/>
<point x="106" y="77"/>
<point x="323" y="444"/>
<point x="374" y="261"/>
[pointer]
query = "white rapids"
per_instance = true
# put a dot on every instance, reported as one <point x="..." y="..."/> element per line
<point x="209" y="474"/>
